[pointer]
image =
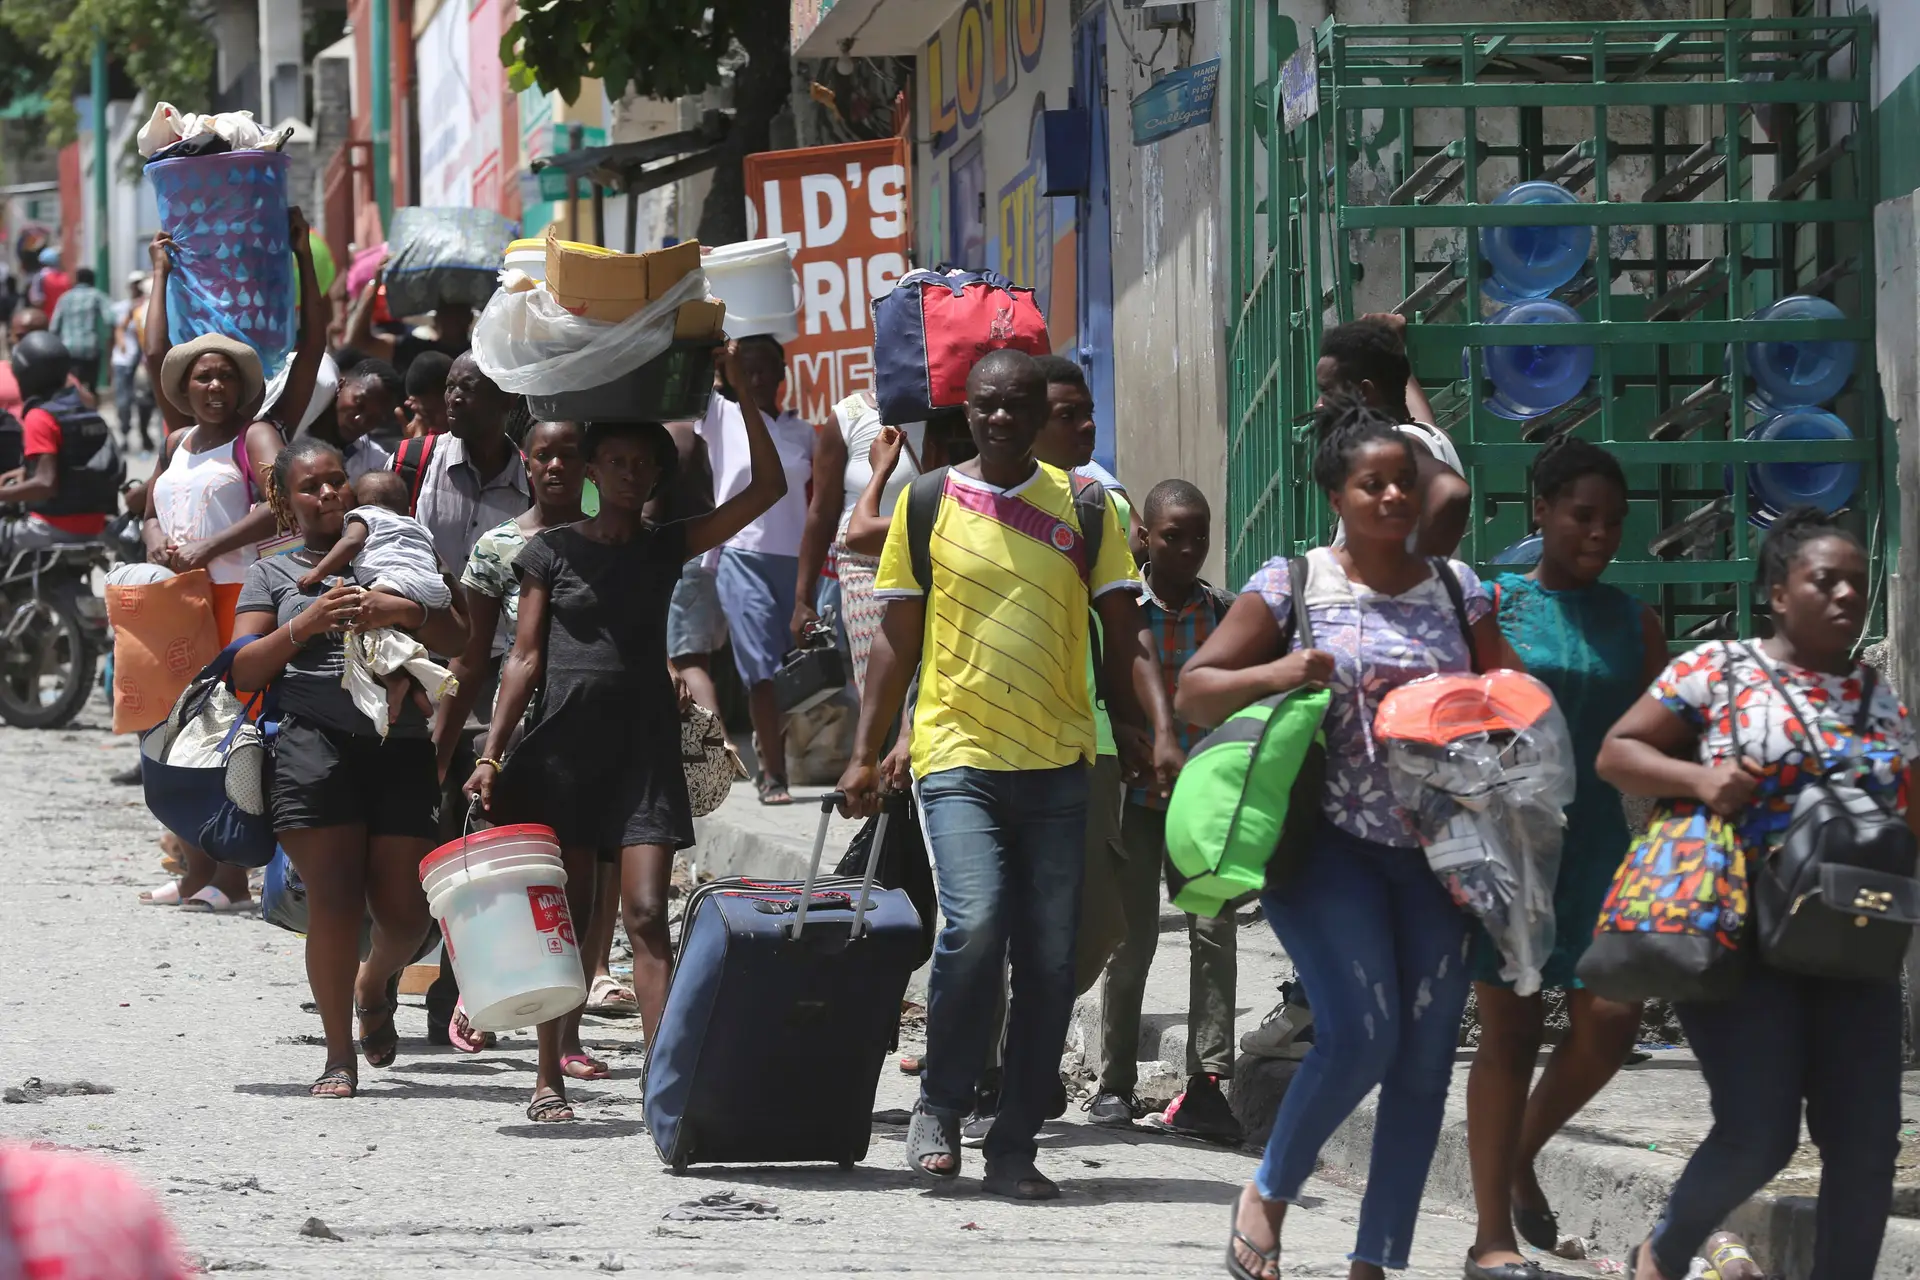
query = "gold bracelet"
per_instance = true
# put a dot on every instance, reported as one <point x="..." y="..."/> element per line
<point x="487" y="760"/>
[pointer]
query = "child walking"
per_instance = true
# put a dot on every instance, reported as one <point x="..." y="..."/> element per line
<point x="1181" y="609"/>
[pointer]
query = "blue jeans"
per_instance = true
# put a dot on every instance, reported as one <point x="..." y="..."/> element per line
<point x="1382" y="952"/>
<point x="1008" y="853"/>
<point x="1779" y="1039"/>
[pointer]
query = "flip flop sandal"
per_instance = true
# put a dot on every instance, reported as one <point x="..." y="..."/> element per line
<point x="549" y="1108"/>
<point x="929" y="1135"/>
<point x="1268" y="1257"/>
<point x="167" y="895"/>
<point x="912" y="1064"/>
<point x="211" y="901"/>
<point x="596" y="1069"/>
<point x="328" y="1084"/>
<point x="773" y="791"/>
<point x="1018" y="1179"/>
<point x="1528" y="1270"/>
<point x="461" y="1034"/>
<point x="1538" y="1227"/>
<point x="608" y="998"/>
<point x="380" y="1050"/>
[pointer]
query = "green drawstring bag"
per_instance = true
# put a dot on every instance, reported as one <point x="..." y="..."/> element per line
<point x="1246" y="806"/>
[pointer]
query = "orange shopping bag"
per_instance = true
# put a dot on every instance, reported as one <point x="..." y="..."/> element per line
<point x="163" y="634"/>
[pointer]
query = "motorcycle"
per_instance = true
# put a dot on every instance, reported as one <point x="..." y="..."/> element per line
<point x="53" y="632"/>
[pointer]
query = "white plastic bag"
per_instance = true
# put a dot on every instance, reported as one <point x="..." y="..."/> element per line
<point x="168" y="124"/>
<point x="1483" y="766"/>
<point x="531" y="345"/>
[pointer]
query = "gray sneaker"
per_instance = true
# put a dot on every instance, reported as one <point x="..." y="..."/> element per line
<point x="1111" y="1111"/>
<point x="1286" y="1032"/>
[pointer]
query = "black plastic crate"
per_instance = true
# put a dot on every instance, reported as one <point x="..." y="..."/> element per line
<point x="675" y="384"/>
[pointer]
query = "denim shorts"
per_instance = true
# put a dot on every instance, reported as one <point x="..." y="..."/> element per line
<point x="695" y="623"/>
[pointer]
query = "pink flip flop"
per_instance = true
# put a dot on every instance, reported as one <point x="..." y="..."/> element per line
<point x="596" y="1069"/>
<point x="462" y="1034"/>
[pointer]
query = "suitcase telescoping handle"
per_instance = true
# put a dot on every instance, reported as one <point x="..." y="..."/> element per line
<point x="827" y="804"/>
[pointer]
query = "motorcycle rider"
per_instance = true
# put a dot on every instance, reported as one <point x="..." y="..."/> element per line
<point x="69" y="480"/>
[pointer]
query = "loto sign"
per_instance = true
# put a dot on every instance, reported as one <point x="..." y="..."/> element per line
<point x="843" y="211"/>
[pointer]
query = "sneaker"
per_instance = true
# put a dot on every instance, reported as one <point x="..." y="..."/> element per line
<point x="1286" y="1031"/>
<point x="986" y="1105"/>
<point x="1111" y="1111"/>
<point x="1201" y="1111"/>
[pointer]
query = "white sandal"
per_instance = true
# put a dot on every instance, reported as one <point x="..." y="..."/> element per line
<point x="167" y="895"/>
<point x="212" y="901"/>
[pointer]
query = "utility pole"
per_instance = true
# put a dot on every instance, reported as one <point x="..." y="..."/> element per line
<point x="102" y="256"/>
<point x="382" y="80"/>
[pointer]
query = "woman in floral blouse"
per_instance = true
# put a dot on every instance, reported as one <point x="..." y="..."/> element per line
<point x="1783" y="1038"/>
<point x="1377" y="941"/>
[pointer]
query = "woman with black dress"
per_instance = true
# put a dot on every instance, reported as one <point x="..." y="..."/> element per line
<point x="600" y="762"/>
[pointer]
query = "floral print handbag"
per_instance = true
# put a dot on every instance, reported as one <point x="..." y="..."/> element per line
<point x="1672" y="926"/>
<point x="711" y="762"/>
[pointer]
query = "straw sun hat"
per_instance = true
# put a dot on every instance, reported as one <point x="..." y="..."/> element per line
<point x="179" y="363"/>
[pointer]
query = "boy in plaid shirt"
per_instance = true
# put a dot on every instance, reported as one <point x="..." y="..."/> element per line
<point x="1182" y="610"/>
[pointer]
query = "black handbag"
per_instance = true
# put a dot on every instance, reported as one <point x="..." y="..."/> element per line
<point x="1838" y="898"/>
<point x="811" y="674"/>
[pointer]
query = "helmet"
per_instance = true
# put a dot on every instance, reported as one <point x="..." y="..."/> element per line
<point x="49" y="257"/>
<point x="40" y="364"/>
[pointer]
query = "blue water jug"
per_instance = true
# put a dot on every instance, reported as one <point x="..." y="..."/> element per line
<point x="1531" y="262"/>
<point x="1781" y="485"/>
<point x="1523" y="554"/>
<point x="1788" y="374"/>
<point x="1531" y="380"/>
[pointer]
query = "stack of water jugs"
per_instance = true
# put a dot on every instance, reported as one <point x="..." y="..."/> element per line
<point x="1787" y="385"/>
<point x="1528" y="264"/>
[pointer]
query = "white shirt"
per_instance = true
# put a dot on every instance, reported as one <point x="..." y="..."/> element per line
<point x="203" y="494"/>
<point x="859" y="424"/>
<point x="777" y="531"/>
<point x="364" y="455"/>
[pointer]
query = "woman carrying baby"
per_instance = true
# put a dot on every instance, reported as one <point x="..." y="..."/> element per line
<point x="355" y="810"/>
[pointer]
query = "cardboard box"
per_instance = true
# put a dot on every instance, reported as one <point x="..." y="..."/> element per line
<point x="707" y="319"/>
<point x="600" y="284"/>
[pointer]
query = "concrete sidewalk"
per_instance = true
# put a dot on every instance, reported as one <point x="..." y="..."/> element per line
<point x="1607" y="1175"/>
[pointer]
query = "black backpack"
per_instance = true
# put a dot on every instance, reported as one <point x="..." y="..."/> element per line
<point x="1838" y="899"/>
<point x="90" y="466"/>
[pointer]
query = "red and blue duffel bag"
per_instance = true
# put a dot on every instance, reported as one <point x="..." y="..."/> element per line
<point x="931" y="328"/>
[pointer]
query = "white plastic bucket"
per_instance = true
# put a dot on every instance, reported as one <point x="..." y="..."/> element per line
<point x="755" y="279"/>
<point x="501" y="899"/>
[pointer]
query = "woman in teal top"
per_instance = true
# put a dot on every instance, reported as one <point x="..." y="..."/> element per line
<point x="1598" y="649"/>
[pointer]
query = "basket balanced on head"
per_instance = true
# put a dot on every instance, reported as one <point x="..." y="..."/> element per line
<point x="232" y="269"/>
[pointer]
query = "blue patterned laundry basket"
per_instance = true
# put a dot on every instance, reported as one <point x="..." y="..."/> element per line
<point x="232" y="269"/>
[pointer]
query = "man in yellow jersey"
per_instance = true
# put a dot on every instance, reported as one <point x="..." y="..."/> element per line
<point x="1001" y="743"/>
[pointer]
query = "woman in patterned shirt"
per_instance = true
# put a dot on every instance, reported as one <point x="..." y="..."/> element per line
<point x="1782" y="1038"/>
<point x="1377" y="941"/>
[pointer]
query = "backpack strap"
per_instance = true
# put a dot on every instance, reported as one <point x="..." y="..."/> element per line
<point x="1090" y="511"/>
<point x="1219" y="601"/>
<point x="1451" y="582"/>
<point x="923" y="504"/>
<point x="410" y="460"/>
<point x="1868" y="684"/>
<point x="1299" y="625"/>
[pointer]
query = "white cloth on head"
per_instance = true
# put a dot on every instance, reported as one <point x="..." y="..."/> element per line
<point x="400" y="558"/>
<point x="371" y="655"/>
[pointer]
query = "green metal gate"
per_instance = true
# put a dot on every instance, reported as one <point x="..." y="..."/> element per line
<point x="1723" y="165"/>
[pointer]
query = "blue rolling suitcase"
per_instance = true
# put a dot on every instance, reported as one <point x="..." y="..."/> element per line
<point x="785" y="999"/>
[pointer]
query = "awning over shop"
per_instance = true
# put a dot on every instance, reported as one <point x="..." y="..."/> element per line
<point x="877" y="28"/>
<point x="633" y="167"/>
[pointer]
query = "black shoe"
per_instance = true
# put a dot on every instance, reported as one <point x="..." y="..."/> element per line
<point x="126" y="777"/>
<point x="1111" y="1111"/>
<point x="1201" y="1111"/>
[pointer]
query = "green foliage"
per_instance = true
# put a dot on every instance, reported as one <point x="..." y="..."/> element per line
<point x="663" y="48"/>
<point x="160" y="45"/>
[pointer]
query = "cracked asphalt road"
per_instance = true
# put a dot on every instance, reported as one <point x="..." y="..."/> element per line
<point x="196" y="1025"/>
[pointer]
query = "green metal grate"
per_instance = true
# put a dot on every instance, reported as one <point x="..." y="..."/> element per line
<point x="1723" y="165"/>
